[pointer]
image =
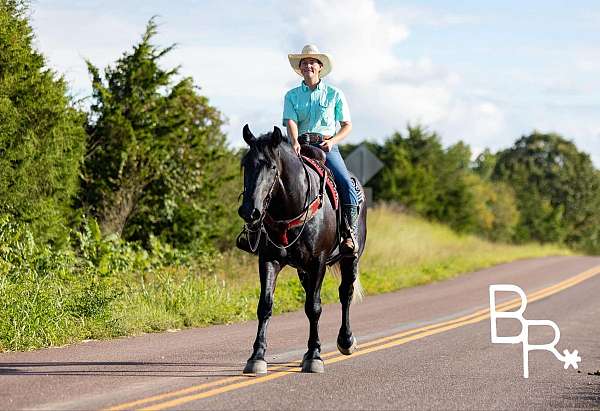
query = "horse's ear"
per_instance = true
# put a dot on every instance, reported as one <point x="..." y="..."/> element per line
<point x="276" y="136"/>
<point x="248" y="136"/>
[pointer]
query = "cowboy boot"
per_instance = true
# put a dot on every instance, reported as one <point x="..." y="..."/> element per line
<point x="350" y="240"/>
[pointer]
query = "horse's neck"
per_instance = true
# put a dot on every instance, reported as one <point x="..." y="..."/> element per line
<point x="291" y="195"/>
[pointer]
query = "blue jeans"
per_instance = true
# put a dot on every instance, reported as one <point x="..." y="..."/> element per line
<point x="335" y="163"/>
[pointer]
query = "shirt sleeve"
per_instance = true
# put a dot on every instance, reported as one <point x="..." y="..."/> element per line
<point x="342" y="111"/>
<point x="288" y="109"/>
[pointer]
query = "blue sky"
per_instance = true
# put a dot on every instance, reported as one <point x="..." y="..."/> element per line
<point x="485" y="72"/>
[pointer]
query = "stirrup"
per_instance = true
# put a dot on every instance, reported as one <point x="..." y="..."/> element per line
<point x="242" y="242"/>
<point x="347" y="249"/>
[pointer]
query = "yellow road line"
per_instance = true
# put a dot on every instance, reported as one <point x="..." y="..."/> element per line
<point x="159" y="397"/>
<point x="404" y="337"/>
<point x="500" y="307"/>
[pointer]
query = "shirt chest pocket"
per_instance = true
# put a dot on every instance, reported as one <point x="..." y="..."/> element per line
<point x="324" y="112"/>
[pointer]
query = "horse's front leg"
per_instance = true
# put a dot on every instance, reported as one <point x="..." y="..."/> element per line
<point x="268" y="270"/>
<point x="346" y="342"/>
<point x="312" y="361"/>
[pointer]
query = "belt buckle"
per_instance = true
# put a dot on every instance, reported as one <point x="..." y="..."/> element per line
<point x="304" y="139"/>
<point x="310" y="138"/>
<point x="316" y="138"/>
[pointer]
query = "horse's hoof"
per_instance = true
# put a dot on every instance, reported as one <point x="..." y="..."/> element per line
<point x="313" y="366"/>
<point x="255" y="367"/>
<point x="348" y="351"/>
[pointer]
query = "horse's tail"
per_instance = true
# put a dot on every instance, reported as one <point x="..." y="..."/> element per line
<point x="359" y="291"/>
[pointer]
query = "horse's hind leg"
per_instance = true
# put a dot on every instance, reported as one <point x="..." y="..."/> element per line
<point x="268" y="278"/>
<point x="346" y="342"/>
<point x="312" y="282"/>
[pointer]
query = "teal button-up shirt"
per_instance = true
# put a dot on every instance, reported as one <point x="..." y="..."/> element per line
<point x="315" y="111"/>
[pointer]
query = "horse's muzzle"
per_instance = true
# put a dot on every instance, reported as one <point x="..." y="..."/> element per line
<point x="250" y="215"/>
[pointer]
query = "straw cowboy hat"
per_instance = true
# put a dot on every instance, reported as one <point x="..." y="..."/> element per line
<point x="311" y="51"/>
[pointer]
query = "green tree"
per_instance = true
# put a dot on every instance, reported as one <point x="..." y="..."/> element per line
<point x="42" y="137"/>
<point x="456" y="201"/>
<point x="484" y="164"/>
<point x="157" y="163"/>
<point x="495" y="209"/>
<point x="557" y="189"/>
<point x="409" y="176"/>
<point x="427" y="179"/>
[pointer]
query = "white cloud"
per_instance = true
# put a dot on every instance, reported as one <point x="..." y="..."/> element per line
<point x="360" y="38"/>
<point x="426" y="16"/>
<point x="385" y="91"/>
<point x="246" y="83"/>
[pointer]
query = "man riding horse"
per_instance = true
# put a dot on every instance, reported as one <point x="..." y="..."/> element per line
<point x="290" y="208"/>
<point x="310" y="113"/>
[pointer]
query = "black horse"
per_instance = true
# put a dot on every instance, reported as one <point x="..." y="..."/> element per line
<point x="279" y="187"/>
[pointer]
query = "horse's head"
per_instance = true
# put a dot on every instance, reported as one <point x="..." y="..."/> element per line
<point x="261" y="173"/>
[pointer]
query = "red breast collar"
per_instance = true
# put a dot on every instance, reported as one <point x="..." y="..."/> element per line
<point x="281" y="227"/>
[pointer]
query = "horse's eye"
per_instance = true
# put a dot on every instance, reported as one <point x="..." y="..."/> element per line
<point x="273" y="167"/>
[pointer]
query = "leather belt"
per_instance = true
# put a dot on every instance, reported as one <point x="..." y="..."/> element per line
<point x="311" y="138"/>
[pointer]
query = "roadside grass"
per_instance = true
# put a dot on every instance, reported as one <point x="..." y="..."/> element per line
<point x="402" y="251"/>
<point x="50" y="299"/>
<point x="406" y="251"/>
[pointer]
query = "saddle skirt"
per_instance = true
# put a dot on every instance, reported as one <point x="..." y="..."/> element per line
<point x="329" y="181"/>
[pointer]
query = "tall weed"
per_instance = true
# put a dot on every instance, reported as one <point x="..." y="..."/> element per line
<point x="47" y="296"/>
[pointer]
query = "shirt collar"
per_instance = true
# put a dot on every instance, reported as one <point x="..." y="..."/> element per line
<point x="320" y="86"/>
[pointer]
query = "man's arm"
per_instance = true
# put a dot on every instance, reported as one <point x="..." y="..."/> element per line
<point x="292" y="131"/>
<point x="345" y="129"/>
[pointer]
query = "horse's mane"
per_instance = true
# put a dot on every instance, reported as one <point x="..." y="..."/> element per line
<point x="266" y="138"/>
<point x="262" y="144"/>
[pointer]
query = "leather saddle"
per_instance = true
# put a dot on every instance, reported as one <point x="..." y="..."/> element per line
<point x="313" y="152"/>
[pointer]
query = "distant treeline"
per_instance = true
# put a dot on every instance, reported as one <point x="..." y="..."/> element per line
<point x="541" y="189"/>
<point x="148" y="164"/>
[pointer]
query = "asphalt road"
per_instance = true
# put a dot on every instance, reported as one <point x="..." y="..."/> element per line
<point x="425" y="347"/>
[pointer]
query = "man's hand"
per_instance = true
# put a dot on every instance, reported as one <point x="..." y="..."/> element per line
<point x="327" y="144"/>
<point x="292" y="131"/>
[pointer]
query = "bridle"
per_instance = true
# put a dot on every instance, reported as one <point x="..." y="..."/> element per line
<point x="260" y="224"/>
